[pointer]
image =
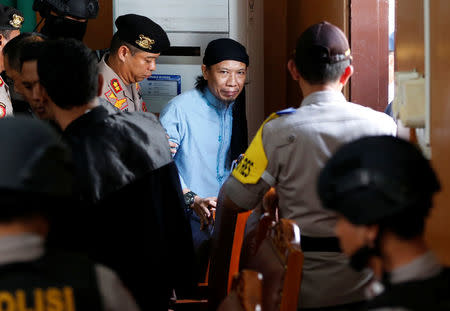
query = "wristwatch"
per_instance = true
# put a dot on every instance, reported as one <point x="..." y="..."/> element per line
<point x="189" y="198"/>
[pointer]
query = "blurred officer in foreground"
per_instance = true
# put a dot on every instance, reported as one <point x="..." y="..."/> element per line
<point x="134" y="49"/>
<point x="66" y="19"/>
<point x="288" y="152"/>
<point x="22" y="94"/>
<point x="382" y="188"/>
<point x="11" y="21"/>
<point x="29" y="48"/>
<point x="35" y="184"/>
<point x="131" y="216"/>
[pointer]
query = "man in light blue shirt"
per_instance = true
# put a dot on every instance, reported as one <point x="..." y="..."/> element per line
<point x="200" y="124"/>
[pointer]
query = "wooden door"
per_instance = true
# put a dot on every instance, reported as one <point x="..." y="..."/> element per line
<point x="100" y="30"/>
<point x="369" y="40"/>
<point x="364" y="22"/>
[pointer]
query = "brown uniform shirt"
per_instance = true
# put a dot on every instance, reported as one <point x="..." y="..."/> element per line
<point x="117" y="93"/>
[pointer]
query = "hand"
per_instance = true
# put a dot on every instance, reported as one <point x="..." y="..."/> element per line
<point x="204" y="208"/>
<point x="270" y="203"/>
<point x="173" y="146"/>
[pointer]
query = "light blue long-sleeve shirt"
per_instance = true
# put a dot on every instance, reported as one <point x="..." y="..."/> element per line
<point x="202" y="126"/>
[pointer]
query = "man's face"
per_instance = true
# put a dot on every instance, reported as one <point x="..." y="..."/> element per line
<point x="226" y="79"/>
<point x="140" y="66"/>
<point x="32" y="90"/>
<point x="351" y="237"/>
<point x="14" y="75"/>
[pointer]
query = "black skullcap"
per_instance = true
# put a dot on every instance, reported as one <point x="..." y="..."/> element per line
<point x="142" y="33"/>
<point x="10" y="18"/>
<point x="225" y="49"/>
<point x="322" y="43"/>
<point x="374" y="178"/>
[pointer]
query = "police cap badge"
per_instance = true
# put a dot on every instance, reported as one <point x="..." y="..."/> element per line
<point x="142" y="33"/>
<point x="10" y="18"/>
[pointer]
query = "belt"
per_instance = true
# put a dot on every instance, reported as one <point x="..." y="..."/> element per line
<point x="313" y="244"/>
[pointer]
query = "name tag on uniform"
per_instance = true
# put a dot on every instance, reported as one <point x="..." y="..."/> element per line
<point x="52" y="298"/>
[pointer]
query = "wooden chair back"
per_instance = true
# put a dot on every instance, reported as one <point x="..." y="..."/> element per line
<point x="276" y="253"/>
<point x="201" y="301"/>
<point x="245" y="292"/>
<point x="237" y="246"/>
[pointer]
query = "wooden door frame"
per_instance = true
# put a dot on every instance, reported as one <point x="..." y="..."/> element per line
<point x="369" y="40"/>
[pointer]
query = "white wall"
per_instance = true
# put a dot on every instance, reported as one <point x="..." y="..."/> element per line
<point x="247" y="27"/>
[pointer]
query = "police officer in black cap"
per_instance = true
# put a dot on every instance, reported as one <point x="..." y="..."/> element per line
<point x="65" y="19"/>
<point x="132" y="58"/>
<point x="382" y="188"/>
<point x="10" y="23"/>
<point x="35" y="185"/>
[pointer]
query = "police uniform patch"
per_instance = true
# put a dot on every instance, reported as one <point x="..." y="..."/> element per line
<point x="252" y="165"/>
<point x="51" y="298"/>
<point x="2" y="110"/>
<point x="116" y="102"/>
<point x="254" y="162"/>
<point x="1" y="82"/>
<point x="116" y="86"/>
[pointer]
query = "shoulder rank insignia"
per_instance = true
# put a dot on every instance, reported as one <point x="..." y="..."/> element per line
<point x="253" y="163"/>
<point x="116" y="86"/>
<point x="145" y="42"/>
<point x="1" y="82"/>
<point x="2" y="110"/>
<point x="16" y="21"/>
<point x="116" y="102"/>
<point x="286" y="111"/>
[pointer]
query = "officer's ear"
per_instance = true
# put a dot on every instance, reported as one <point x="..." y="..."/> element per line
<point x="100" y="84"/>
<point x="371" y="233"/>
<point x="346" y="75"/>
<point x="123" y="52"/>
<point x="292" y="67"/>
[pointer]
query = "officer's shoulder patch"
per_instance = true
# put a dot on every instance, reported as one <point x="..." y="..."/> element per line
<point x="115" y="101"/>
<point x="254" y="161"/>
<point x="2" y="110"/>
<point x="286" y="111"/>
<point x="115" y="85"/>
<point x="1" y="82"/>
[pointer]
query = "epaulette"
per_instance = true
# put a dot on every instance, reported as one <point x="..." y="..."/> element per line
<point x="286" y="111"/>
